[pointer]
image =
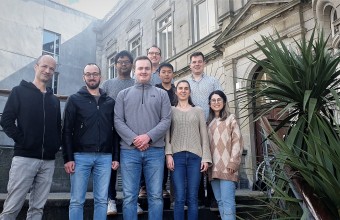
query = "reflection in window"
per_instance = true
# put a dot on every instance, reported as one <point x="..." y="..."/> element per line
<point x="165" y="35"/>
<point x="51" y="43"/>
<point x="135" y="46"/>
<point x="204" y="18"/>
<point x="51" y="46"/>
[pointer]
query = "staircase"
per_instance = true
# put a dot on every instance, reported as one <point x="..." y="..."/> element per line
<point x="56" y="208"/>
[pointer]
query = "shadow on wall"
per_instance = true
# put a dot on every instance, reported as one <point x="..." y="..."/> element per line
<point x="74" y="55"/>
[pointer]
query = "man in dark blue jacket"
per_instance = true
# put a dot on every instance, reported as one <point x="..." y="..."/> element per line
<point x="32" y="119"/>
<point x="90" y="143"/>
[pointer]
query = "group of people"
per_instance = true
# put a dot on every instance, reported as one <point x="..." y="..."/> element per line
<point x="144" y="125"/>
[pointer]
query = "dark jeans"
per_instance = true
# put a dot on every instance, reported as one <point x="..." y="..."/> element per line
<point x="201" y="191"/>
<point x="112" y="193"/>
<point x="186" y="178"/>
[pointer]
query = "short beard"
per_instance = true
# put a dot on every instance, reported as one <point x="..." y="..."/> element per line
<point x="95" y="86"/>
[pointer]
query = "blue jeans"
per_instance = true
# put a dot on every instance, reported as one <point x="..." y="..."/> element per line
<point x="224" y="191"/>
<point x="132" y="162"/>
<point x="186" y="180"/>
<point x="100" y="166"/>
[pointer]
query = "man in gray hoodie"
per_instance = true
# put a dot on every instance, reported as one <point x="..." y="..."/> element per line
<point x="142" y="117"/>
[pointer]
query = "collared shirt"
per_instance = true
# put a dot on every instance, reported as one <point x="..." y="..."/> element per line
<point x="201" y="89"/>
<point x="155" y="78"/>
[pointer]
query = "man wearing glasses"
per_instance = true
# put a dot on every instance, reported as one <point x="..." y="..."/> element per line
<point x="90" y="143"/>
<point x="123" y="65"/>
<point x="155" y="55"/>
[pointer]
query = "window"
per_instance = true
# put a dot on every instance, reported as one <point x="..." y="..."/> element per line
<point x="204" y="18"/>
<point x="112" y="69"/>
<point x="51" y="45"/>
<point x="135" y="46"/>
<point x="334" y="24"/>
<point x="165" y="35"/>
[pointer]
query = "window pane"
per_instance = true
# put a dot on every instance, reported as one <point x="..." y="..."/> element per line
<point x="51" y="45"/>
<point x="57" y="44"/>
<point x="134" y="46"/>
<point x="169" y="41"/>
<point x="111" y="66"/>
<point x="202" y="21"/>
<point x="48" y="42"/>
<point x="165" y="36"/>
<point x="162" y="40"/>
<point x="53" y="83"/>
<point x="211" y="16"/>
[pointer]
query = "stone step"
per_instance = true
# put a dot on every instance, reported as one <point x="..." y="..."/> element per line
<point x="56" y="207"/>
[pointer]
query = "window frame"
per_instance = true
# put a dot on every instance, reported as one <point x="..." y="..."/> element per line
<point x="167" y="47"/>
<point x="210" y="20"/>
<point x="56" y="54"/>
<point x="333" y="19"/>
<point x="112" y="71"/>
<point x="137" y="48"/>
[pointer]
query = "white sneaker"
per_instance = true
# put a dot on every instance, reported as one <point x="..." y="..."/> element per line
<point x="111" y="207"/>
<point x="173" y="203"/>
<point x="139" y="209"/>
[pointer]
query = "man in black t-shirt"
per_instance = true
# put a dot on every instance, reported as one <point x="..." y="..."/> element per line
<point x="166" y="74"/>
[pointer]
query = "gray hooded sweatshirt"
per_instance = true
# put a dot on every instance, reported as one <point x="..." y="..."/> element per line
<point x="142" y="109"/>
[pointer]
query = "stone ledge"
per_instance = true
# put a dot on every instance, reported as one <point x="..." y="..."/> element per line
<point x="57" y="207"/>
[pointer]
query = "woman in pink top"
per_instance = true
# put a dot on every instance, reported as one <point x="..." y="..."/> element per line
<point x="226" y="148"/>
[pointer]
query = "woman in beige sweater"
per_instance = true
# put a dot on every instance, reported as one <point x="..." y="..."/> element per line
<point x="187" y="151"/>
<point x="226" y="148"/>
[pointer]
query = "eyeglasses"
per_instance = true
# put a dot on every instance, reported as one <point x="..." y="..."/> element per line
<point x="88" y="75"/>
<point x="123" y="62"/>
<point x="216" y="100"/>
<point x="154" y="53"/>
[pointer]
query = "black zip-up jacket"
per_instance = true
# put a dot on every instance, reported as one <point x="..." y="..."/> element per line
<point x="37" y="133"/>
<point x="88" y="126"/>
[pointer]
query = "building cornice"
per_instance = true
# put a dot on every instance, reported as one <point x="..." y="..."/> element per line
<point x="230" y="33"/>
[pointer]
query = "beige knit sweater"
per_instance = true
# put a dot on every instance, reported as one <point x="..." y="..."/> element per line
<point x="226" y="146"/>
<point x="188" y="132"/>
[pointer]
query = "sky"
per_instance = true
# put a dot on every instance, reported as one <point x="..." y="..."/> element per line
<point x="96" y="8"/>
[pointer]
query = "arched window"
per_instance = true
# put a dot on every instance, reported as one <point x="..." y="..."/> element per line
<point x="334" y="23"/>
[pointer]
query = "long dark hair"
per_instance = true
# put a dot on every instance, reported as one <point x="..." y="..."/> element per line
<point x="224" y="113"/>
<point x="189" y="99"/>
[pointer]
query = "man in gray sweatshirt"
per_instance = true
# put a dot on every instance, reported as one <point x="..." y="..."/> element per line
<point x="142" y="117"/>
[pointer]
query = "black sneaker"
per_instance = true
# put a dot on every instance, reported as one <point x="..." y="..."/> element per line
<point x="213" y="206"/>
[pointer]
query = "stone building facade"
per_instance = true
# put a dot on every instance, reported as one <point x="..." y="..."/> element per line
<point x="224" y="30"/>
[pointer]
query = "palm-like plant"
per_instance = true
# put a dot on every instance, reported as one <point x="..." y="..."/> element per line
<point x="305" y="86"/>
